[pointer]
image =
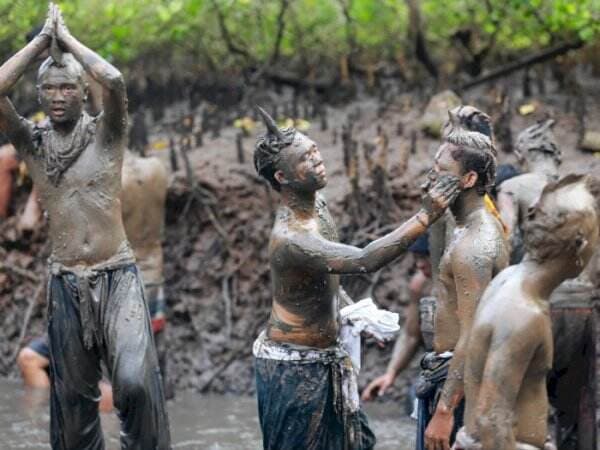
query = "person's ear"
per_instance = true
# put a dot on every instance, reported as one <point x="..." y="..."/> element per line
<point x="469" y="179"/>
<point x="581" y="244"/>
<point x="280" y="177"/>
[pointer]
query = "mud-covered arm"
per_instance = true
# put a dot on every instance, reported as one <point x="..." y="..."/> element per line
<point x="114" y="94"/>
<point x="472" y="271"/>
<point x="505" y="369"/>
<point x="14" y="127"/>
<point x="309" y="249"/>
<point x="312" y="250"/>
<point x="10" y="72"/>
<point x="409" y="340"/>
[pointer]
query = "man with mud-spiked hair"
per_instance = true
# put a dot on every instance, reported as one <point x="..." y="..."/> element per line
<point x="306" y="385"/>
<point x="96" y="302"/>
<point x="511" y="350"/>
<point x="475" y="253"/>
<point x="539" y="154"/>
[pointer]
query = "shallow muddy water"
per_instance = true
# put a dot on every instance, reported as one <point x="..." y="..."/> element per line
<point x="197" y="422"/>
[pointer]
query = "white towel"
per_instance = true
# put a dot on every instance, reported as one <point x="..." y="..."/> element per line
<point x="365" y="316"/>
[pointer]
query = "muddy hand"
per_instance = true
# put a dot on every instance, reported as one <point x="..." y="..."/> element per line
<point x="439" y="195"/>
<point x="62" y="32"/>
<point x="377" y="387"/>
<point x="48" y="28"/>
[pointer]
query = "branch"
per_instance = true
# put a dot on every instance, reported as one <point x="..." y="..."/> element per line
<point x="233" y="48"/>
<point x="522" y="63"/>
<point x="280" y="29"/>
<point x="346" y="6"/>
<point x="416" y="32"/>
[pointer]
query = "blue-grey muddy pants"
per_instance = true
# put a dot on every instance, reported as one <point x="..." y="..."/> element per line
<point x="103" y="316"/>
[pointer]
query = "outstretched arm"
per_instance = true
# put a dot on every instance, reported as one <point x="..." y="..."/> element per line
<point x="472" y="273"/>
<point x="114" y="96"/>
<point x="314" y="251"/>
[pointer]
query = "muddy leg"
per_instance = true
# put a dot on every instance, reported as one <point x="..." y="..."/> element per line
<point x="74" y="374"/>
<point x="133" y="364"/>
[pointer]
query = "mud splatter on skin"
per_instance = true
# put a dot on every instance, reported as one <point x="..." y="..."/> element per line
<point x="475" y="253"/>
<point x="306" y="258"/>
<point x="511" y="345"/>
<point x="89" y="188"/>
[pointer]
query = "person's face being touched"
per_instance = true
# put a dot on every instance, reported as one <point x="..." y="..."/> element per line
<point x="445" y="165"/>
<point x="303" y="167"/>
<point x="61" y="95"/>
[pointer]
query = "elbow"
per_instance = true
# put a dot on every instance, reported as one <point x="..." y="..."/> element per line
<point x="115" y="81"/>
<point x="493" y="430"/>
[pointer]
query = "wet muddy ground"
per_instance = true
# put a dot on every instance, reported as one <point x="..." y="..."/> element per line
<point x="198" y="422"/>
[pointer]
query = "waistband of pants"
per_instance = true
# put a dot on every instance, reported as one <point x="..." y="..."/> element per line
<point x="265" y="348"/>
<point x="122" y="258"/>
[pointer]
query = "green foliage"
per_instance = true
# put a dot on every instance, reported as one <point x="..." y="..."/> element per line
<point x="316" y="31"/>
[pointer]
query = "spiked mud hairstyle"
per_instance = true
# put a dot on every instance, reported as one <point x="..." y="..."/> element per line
<point x="538" y="138"/>
<point x="553" y="232"/>
<point x="471" y="131"/>
<point x="67" y="63"/>
<point x="269" y="146"/>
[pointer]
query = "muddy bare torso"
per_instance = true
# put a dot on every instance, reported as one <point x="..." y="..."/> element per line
<point x="84" y="207"/>
<point x="512" y="333"/>
<point x="482" y="236"/>
<point x="305" y="300"/>
<point x="143" y="197"/>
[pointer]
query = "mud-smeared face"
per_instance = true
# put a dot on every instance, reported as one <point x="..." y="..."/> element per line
<point x="446" y="165"/>
<point x="61" y="95"/>
<point x="301" y="166"/>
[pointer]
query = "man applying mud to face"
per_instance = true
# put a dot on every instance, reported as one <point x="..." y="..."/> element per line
<point x="510" y="350"/>
<point x="474" y="255"/>
<point x="96" y="304"/>
<point x="305" y="394"/>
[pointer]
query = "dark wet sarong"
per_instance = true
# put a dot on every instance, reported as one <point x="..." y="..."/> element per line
<point x="96" y="315"/>
<point x="305" y="405"/>
<point x="434" y="371"/>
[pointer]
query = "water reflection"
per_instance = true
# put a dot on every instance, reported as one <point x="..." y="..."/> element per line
<point x="198" y="422"/>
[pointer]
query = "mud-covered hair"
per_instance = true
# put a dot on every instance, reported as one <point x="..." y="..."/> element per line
<point x="268" y="147"/>
<point x="549" y="234"/>
<point x="538" y="138"/>
<point x="68" y="64"/>
<point x="471" y="131"/>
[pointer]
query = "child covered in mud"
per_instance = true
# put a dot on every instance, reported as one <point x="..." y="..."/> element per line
<point x="511" y="348"/>
<point x="306" y="385"/>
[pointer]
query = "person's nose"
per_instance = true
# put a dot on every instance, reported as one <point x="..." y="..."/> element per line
<point x="58" y="96"/>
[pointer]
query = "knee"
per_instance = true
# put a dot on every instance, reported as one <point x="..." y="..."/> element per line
<point x="132" y="386"/>
<point x="29" y="359"/>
